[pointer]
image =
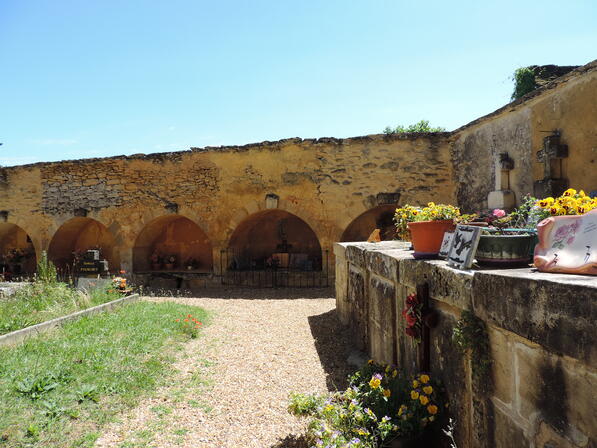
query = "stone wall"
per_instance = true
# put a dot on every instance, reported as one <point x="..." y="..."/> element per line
<point x="568" y="104"/>
<point x="542" y="338"/>
<point x="326" y="182"/>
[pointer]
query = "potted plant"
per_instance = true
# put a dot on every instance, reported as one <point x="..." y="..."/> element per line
<point x="191" y="263"/>
<point x="508" y="240"/>
<point x="425" y="226"/>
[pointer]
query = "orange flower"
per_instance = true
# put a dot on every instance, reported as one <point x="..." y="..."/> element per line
<point x="177" y="320"/>
<point x="186" y="320"/>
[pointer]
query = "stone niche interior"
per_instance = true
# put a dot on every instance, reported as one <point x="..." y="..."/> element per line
<point x="13" y="237"/>
<point x="173" y="235"/>
<point x="80" y="234"/>
<point x="381" y="217"/>
<point x="274" y="238"/>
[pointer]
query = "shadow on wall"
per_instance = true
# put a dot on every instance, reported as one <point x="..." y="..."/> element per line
<point x="332" y="342"/>
<point x="381" y="217"/>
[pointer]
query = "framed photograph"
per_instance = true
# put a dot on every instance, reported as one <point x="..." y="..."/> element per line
<point x="463" y="247"/>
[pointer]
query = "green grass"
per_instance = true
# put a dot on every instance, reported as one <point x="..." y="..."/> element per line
<point x="40" y="301"/>
<point x="58" y="389"/>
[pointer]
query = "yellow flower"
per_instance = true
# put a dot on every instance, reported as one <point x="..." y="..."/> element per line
<point x="374" y="383"/>
<point x="401" y="410"/>
<point x="370" y="362"/>
<point x="394" y="373"/>
<point x="545" y="203"/>
<point x="424" y="379"/>
<point x="388" y="368"/>
<point x="428" y="390"/>
<point x="415" y="384"/>
<point x="387" y="393"/>
<point x="569" y="192"/>
<point x="431" y="418"/>
<point x="329" y="407"/>
<point x="432" y="409"/>
<point x="424" y="400"/>
<point x="414" y="394"/>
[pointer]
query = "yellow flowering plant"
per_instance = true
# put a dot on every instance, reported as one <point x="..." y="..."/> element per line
<point x="571" y="202"/>
<point x="380" y="405"/>
<point x="432" y="212"/>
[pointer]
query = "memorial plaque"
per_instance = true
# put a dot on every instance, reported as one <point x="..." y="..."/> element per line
<point x="568" y="244"/>
<point x="446" y="243"/>
<point x="463" y="247"/>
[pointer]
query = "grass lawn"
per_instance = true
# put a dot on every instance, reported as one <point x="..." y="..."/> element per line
<point x="58" y="389"/>
<point x="40" y="301"/>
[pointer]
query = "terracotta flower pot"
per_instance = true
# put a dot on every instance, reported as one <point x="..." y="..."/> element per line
<point x="427" y="236"/>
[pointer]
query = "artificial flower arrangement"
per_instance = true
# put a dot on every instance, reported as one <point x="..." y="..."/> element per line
<point x="381" y="406"/>
<point x="412" y="314"/>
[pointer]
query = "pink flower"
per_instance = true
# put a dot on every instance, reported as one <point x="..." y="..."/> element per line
<point x="499" y="213"/>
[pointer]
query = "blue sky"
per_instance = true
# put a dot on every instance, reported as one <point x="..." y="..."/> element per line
<point x="99" y="78"/>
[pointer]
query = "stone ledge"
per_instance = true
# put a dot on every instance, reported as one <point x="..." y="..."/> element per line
<point x="557" y="311"/>
<point x="19" y="336"/>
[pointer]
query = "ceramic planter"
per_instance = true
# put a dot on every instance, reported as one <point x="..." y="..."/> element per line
<point x="427" y="236"/>
<point x="505" y="250"/>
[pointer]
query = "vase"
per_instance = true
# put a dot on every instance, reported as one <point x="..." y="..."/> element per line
<point x="505" y="250"/>
<point x="427" y="236"/>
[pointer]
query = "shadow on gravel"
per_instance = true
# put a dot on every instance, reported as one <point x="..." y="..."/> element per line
<point x="333" y="346"/>
<point x="245" y="293"/>
<point x="292" y="441"/>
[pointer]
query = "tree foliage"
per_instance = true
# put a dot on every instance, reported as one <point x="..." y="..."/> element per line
<point x="421" y="126"/>
<point x="524" y="82"/>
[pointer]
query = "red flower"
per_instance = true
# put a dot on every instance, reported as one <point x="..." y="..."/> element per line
<point x="412" y="332"/>
<point x="411" y="319"/>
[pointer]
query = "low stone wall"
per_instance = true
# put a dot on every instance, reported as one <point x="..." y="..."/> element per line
<point x="541" y="327"/>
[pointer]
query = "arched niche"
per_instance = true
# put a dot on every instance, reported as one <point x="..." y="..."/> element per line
<point x="17" y="253"/>
<point x="381" y="217"/>
<point x="172" y="235"/>
<point x="78" y="235"/>
<point x="274" y="238"/>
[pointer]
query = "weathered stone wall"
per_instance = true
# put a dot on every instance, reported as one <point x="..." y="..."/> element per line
<point x="541" y="331"/>
<point x="326" y="182"/>
<point x="568" y="104"/>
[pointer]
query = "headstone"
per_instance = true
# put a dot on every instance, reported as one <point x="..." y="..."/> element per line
<point x="568" y="244"/>
<point x="502" y="197"/>
<point x="463" y="247"/>
<point x="552" y="184"/>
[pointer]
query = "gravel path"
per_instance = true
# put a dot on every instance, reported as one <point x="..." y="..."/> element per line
<point x="233" y="385"/>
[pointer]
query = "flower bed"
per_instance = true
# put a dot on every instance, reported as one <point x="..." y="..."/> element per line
<point x="381" y="407"/>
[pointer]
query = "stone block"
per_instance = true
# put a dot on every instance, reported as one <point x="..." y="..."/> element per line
<point x="505" y="199"/>
<point x="502" y="356"/>
<point x="358" y="313"/>
<point x="507" y="433"/>
<point x="383" y="263"/>
<point x="555" y="311"/>
<point x="449" y="285"/>
<point x="559" y="390"/>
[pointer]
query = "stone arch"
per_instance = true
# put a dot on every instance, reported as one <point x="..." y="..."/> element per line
<point x="17" y="251"/>
<point x="172" y="235"/>
<point x="274" y="237"/>
<point x="80" y="234"/>
<point x="380" y="217"/>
